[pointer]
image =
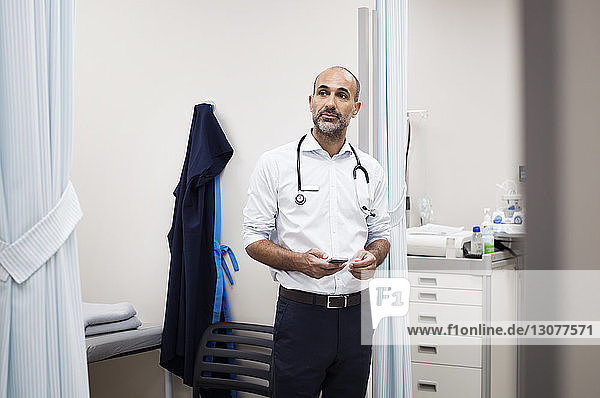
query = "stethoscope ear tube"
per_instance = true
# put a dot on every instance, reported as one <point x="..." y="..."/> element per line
<point x="298" y="170"/>
<point x="359" y="167"/>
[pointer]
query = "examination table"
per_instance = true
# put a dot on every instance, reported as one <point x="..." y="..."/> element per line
<point x="128" y="342"/>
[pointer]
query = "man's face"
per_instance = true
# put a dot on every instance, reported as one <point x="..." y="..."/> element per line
<point x="332" y="104"/>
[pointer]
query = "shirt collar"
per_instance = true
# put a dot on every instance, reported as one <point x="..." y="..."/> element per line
<point x="311" y="144"/>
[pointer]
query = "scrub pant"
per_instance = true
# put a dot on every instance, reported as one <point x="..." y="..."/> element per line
<point x="319" y="349"/>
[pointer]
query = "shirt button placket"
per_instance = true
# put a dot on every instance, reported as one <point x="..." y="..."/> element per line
<point x="332" y="203"/>
<point x="332" y="217"/>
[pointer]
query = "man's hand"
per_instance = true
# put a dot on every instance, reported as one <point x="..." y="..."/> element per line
<point x="366" y="261"/>
<point x="364" y="264"/>
<point x="312" y="263"/>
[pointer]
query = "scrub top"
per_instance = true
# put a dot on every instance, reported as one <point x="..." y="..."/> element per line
<point x="193" y="270"/>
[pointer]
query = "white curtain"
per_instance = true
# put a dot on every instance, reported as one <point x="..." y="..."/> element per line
<point x="391" y="350"/>
<point x="42" y="346"/>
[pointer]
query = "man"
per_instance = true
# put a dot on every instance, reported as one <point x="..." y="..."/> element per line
<point x="305" y="207"/>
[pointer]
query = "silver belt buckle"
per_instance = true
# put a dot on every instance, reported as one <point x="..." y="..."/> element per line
<point x="345" y="296"/>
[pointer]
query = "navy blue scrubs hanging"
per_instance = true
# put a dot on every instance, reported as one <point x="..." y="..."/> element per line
<point x="196" y="292"/>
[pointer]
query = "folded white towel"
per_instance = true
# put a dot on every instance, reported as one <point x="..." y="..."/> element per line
<point x="94" y="313"/>
<point x="131" y="323"/>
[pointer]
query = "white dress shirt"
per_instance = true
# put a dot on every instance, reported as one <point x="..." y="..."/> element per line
<point x="330" y="220"/>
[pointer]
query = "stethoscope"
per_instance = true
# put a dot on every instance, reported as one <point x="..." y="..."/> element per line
<point x="300" y="199"/>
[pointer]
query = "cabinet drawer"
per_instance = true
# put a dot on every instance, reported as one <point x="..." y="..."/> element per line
<point x="453" y="281"/>
<point x="439" y="381"/>
<point x="424" y="314"/>
<point x="438" y="350"/>
<point x="446" y="296"/>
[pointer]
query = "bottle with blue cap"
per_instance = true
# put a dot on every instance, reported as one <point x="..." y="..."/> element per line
<point x="476" y="247"/>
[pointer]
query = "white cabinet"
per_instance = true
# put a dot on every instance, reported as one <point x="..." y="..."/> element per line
<point x="462" y="292"/>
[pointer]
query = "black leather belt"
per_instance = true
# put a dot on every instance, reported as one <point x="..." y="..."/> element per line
<point x="323" y="300"/>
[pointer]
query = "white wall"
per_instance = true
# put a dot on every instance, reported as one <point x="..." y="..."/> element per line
<point x="140" y="68"/>
<point x="464" y="68"/>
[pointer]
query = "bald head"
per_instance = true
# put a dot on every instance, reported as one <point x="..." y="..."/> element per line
<point x="349" y="74"/>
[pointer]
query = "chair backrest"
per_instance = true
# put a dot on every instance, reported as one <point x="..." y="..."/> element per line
<point x="228" y="350"/>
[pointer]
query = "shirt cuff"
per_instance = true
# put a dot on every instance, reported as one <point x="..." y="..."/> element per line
<point x="374" y="238"/>
<point x="251" y="237"/>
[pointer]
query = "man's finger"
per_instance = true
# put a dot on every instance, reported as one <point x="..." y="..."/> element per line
<point x="333" y="266"/>
<point x="371" y="265"/>
<point x="362" y="263"/>
<point x="326" y="272"/>
<point x="332" y="271"/>
<point x="317" y="253"/>
<point x="363" y="273"/>
<point x="356" y="274"/>
<point x="360" y="255"/>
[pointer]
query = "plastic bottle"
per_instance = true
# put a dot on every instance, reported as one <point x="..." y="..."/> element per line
<point x="476" y="241"/>
<point x="487" y="233"/>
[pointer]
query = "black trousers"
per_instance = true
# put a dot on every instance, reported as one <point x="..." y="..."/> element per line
<point x="319" y="349"/>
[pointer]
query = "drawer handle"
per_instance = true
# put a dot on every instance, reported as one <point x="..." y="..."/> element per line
<point x="425" y="385"/>
<point x="428" y="296"/>
<point x="428" y="349"/>
<point x="427" y="281"/>
<point x="427" y="318"/>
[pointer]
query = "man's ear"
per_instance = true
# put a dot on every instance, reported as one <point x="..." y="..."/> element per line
<point x="357" y="106"/>
<point x="310" y="103"/>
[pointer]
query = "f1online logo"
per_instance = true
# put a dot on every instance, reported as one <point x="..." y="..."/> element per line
<point x="389" y="297"/>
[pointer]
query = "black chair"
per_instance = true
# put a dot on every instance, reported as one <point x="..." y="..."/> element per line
<point x="229" y="350"/>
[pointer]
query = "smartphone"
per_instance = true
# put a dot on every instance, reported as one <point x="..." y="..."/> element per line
<point x="337" y="260"/>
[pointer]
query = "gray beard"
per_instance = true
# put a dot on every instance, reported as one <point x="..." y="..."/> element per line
<point x="333" y="130"/>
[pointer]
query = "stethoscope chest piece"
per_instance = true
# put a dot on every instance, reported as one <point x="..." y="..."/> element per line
<point x="300" y="199"/>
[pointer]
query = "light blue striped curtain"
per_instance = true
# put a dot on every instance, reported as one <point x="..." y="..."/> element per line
<point x="391" y="350"/>
<point x="42" y="346"/>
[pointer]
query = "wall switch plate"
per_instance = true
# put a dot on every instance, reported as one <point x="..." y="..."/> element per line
<point x="522" y="174"/>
